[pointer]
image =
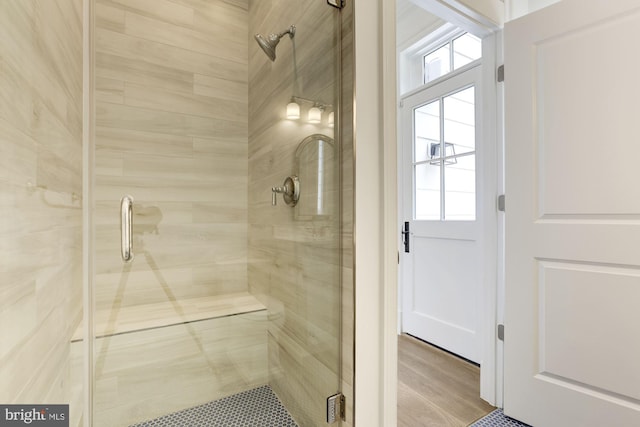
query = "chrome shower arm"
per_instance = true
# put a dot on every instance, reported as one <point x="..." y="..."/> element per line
<point x="291" y="31"/>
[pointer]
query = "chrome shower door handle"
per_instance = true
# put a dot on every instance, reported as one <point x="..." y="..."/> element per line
<point x="126" y="235"/>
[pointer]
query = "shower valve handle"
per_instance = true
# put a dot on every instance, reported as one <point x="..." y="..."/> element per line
<point x="290" y="191"/>
<point x="274" y="192"/>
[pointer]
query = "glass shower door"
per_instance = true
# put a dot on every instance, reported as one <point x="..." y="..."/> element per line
<point x="224" y="292"/>
<point x="294" y="251"/>
<point x="176" y="326"/>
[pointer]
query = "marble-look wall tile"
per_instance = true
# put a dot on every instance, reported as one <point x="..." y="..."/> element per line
<point x="40" y="199"/>
<point x="173" y="100"/>
<point x="294" y="256"/>
<point x="149" y="373"/>
<point x="171" y="131"/>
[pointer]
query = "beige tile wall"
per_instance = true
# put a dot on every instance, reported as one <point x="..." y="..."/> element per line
<point x="171" y="131"/>
<point x="40" y="198"/>
<point x="294" y="260"/>
<point x="150" y="373"/>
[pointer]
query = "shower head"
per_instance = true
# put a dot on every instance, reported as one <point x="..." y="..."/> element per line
<point x="269" y="44"/>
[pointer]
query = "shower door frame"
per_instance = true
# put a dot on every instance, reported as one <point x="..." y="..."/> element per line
<point x="88" y="120"/>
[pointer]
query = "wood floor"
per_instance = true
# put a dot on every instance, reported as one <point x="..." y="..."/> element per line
<point x="436" y="388"/>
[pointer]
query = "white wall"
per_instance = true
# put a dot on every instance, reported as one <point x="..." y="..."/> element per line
<point x="483" y="12"/>
<point x="375" y="237"/>
<point x="492" y="9"/>
<point x="517" y="8"/>
<point x="368" y="215"/>
<point x="413" y="23"/>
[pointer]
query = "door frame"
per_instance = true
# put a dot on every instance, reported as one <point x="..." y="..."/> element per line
<point x="491" y="311"/>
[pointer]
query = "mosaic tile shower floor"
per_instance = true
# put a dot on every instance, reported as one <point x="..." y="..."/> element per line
<point x="252" y="408"/>
<point x="497" y="419"/>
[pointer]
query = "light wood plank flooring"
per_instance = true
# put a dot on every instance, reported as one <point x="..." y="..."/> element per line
<point x="436" y="388"/>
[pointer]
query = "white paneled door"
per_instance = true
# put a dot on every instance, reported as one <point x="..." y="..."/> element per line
<point x="572" y="319"/>
<point x="442" y="175"/>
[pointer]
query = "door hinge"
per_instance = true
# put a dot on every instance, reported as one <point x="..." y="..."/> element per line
<point x="335" y="408"/>
<point x="501" y="202"/>
<point x="501" y="74"/>
<point x="501" y="332"/>
<point x="336" y="3"/>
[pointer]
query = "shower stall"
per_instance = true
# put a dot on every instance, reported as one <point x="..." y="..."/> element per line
<point x="229" y="288"/>
<point x="208" y="209"/>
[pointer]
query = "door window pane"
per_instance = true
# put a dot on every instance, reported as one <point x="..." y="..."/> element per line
<point x="427" y="191"/>
<point x="427" y="129"/>
<point x="460" y="189"/>
<point x="456" y="53"/>
<point x="445" y="137"/>
<point x="437" y="63"/>
<point x="466" y="48"/>
<point x="459" y="122"/>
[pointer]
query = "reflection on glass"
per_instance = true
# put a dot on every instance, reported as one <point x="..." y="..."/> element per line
<point x="459" y="121"/>
<point x="321" y="170"/>
<point x="314" y="166"/>
<point x="427" y="191"/>
<point x="460" y="189"/>
<point x="466" y="48"/>
<point x="427" y="129"/>
<point x="437" y="63"/>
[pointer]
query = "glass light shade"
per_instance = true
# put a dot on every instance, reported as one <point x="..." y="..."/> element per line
<point x="293" y="111"/>
<point x="330" y="119"/>
<point x="315" y="115"/>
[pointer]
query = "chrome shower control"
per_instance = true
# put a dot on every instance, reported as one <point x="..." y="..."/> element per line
<point x="290" y="191"/>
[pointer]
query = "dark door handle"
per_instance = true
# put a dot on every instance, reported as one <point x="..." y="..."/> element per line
<point x="405" y="236"/>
